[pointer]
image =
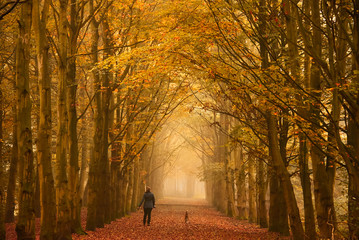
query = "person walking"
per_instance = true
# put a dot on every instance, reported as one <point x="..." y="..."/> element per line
<point x="149" y="204"/>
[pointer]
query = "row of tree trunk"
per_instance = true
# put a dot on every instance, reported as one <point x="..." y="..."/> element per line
<point x="103" y="170"/>
<point x="303" y="50"/>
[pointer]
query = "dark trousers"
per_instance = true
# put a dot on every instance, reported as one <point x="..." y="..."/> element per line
<point x="147" y="213"/>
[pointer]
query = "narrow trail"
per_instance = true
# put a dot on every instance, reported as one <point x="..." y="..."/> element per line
<point x="168" y="223"/>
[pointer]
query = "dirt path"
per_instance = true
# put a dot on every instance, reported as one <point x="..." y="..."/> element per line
<point x="168" y="223"/>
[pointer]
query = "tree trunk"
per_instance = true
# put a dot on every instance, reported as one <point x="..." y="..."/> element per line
<point x="2" y="162"/>
<point x="136" y="184"/>
<point x="113" y="190"/>
<point x="251" y="190"/>
<point x="46" y="179"/>
<point x="142" y="179"/>
<point x="231" y="209"/>
<point x="73" y="168"/>
<point x="284" y="178"/>
<point x="241" y="184"/>
<point x="95" y="215"/>
<point x="37" y="204"/>
<point x="353" y="137"/>
<point x="331" y="151"/>
<point x="219" y="184"/>
<point x="261" y="189"/>
<point x="11" y="187"/>
<point x="123" y="192"/>
<point x="2" y="170"/>
<point x="63" y="224"/>
<point x="278" y="215"/>
<point x="306" y="187"/>
<point x="323" y="196"/>
<point x="86" y="193"/>
<point x="105" y="167"/>
<point x="85" y="148"/>
<point x="84" y="167"/>
<point x="129" y="191"/>
<point x="303" y="110"/>
<point x="353" y="190"/>
<point x="107" y="97"/>
<point x="25" y="227"/>
<point x="115" y="164"/>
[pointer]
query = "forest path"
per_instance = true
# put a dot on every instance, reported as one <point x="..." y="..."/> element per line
<point x="168" y="223"/>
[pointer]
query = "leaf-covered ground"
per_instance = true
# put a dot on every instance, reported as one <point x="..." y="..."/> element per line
<point x="168" y="223"/>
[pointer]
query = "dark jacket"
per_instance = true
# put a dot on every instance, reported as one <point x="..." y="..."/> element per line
<point x="149" y="200"/>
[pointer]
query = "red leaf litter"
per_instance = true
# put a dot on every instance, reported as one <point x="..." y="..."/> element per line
<point x="168" y="222"/>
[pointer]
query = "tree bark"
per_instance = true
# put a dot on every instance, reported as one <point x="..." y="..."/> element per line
<point x="25" y="227"/>
<point x="278" y="215"/>
<point x="251" y="189"/>
<point x="73" y="168"/>
<point x="241" y="184"/>
<point x="37" y="204"/>
<point x="63" y="224"/>
<point x="219" y="184"/>
<point x="84" y="167"/>
<point x="85" y="149"/>
<point x="231" y="209"/>
<point x="46" y="179"/>
<point x="261" y="189"/>
<point x="353" y="137"/>
<point x="303" y="110"/>
<point x="123" y="191"/>
<point x="114" y="190"/>
<point x="115" y="165"/>
<point x="284" y="178"/>
<point x="107" y="97"/>
<point x="95" y="215"/>
<point x="2" y="171"/>
<point x="136" y="184"/>
<point x="11" y="186"/>
<point x="306" y="187"/>
<point x="323" y="196"/>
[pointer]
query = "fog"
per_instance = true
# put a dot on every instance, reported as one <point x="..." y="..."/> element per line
<point x="183" y="168"/>
<point x="182" y="179"/>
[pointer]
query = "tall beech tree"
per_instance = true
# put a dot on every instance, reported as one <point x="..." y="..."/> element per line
<point x="303" y="110"/>
<point x="95" y="218"/>
<point x="63" y="225"/>
<point x="293" y="211"/>
<point x="47" y="193"/>
<point x="25" y="227"/>
<point x="323" y="199"/>
<point x="76" y="22"/>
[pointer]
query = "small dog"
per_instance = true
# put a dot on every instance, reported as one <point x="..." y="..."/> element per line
<point x="186" y="220"/>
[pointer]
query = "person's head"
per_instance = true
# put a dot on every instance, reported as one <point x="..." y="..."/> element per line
<point x="148" y="189"/>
